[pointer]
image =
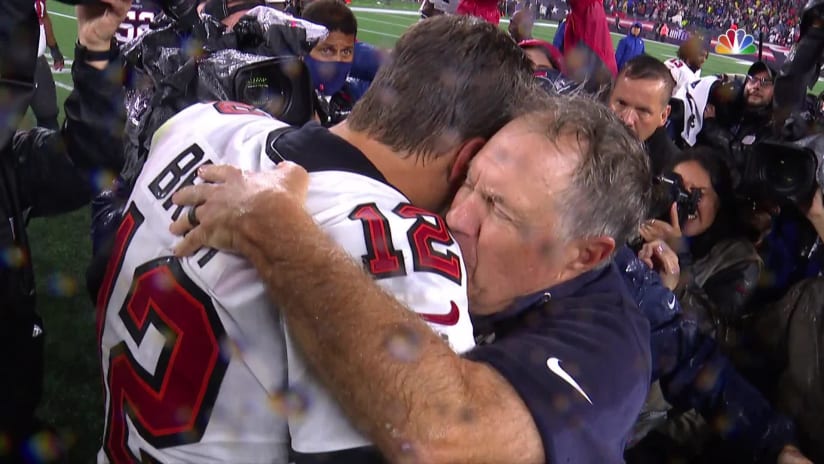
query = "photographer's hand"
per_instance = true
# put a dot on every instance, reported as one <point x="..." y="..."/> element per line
<point x="97" y="24"/>
<point x="660" y="257"/>
<point x="656" y="229"/>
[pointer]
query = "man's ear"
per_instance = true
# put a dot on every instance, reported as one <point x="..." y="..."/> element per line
<point x="460" y="164"/>
<point x="667" y="112"/>
<point x="589" y="253"/>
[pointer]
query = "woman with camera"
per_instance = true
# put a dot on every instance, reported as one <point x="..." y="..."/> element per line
<point x="719" y="265"/>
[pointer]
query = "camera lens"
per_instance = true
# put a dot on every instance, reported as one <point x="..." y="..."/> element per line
<point x="266" y="92"/>
<point x="787" y="175"/>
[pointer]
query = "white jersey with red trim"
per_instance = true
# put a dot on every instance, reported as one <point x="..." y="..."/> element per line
<point x="40" y="8"/>
<point x="196" y="361"/>
<point x="682" y="73"/>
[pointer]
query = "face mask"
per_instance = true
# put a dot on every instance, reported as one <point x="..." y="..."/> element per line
<point x="327" y="76"/>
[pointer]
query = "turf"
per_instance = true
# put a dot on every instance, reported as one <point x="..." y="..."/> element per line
<point x="72" y="399"/>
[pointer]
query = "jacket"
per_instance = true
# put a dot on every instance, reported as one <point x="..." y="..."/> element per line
<point x="683" y="359"/>
<point x="42" y="173"/>
<point x="662" y="151"/>
<point x="716" y="288"/>
<point x="628" y="48"/>
<point x="791" y="334"/>
<point x="558" y="40"/>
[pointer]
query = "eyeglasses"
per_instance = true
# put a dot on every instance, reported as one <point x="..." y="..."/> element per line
<point x="762" y="81"/>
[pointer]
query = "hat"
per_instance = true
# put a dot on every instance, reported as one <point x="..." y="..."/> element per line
<point x="636" y="24"/>
<point x="553" y="54"/>
<point x="761" y="66"/>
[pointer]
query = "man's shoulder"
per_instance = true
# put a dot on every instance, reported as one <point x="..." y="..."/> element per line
<point x="576" y="361"/>
<point x="598" y="319"/>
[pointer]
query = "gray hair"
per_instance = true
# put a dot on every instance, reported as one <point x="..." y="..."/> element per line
<point x="611" y="187"/>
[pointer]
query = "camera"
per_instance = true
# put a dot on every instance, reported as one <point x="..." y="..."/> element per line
<point x="786" y="172"/>
<point x="279" y="85"/>
<point x="669" y="188"/>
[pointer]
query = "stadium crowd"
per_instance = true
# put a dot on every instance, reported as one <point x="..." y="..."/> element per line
<point x="310" y="253"/>
<point x="776" y="19"/>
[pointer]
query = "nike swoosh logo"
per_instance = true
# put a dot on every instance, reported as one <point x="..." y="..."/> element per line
<point x="554" y="365"/>
<point x="671" y="303"/>
<point x="450" y="318"/>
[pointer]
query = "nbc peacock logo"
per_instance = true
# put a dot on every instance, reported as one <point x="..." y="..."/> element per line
<point x="736" y="42"/>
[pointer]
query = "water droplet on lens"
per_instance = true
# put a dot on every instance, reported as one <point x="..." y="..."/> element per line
<point x="403" y="344"/>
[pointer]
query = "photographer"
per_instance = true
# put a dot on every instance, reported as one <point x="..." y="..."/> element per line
<point x="719" y="264"/>
<point x="43" y="172"/>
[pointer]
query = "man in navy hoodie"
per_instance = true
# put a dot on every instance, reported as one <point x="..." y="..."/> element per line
<point x="630" y="46"/>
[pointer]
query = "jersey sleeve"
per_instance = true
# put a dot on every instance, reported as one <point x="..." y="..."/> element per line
<point x="582" y="383"/>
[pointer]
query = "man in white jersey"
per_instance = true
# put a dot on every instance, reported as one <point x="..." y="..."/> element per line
<point x="686" y="67"/>
<point x="195" y="365"/>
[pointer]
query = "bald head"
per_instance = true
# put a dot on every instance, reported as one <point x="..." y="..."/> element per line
<point x="520" y="25"/>
<point x="693" y="52"/>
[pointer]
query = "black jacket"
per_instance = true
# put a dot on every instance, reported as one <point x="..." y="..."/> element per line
<point x="661" y="150"/>
<point x="43" y="172"/>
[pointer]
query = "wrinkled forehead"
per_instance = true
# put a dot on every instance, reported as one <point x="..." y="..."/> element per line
<point x="524" y="165"/>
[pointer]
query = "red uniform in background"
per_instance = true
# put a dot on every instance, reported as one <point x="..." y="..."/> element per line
<point x="587" y="22"/>
<point x="484" y="9"/>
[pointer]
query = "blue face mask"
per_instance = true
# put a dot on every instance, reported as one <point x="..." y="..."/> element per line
<point x="327" y="76"/>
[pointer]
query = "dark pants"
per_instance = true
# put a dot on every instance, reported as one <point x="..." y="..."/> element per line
<point x="44" y="101"/>
<point x="21" y="383"/>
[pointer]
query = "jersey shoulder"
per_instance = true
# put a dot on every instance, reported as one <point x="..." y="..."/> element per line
<point x="408" y="251"/>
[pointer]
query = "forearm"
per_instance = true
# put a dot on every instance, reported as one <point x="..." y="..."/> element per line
<point x="96" y="117"/>
<point x="51" y="41"/>
<point x="312" y="280"/>
<point x="413" y="404"/>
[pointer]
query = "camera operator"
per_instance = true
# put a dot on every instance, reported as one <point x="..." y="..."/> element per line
<point x="640" y="97"/>
<point x="330" y="60"/>
<point x="43" y="172"/>
<point x="758" y="102"/>
<point x="747" y="118"/>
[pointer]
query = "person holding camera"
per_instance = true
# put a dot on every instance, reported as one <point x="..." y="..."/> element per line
<point x="44" y="172"/>
<point x="330" y="60"/>
<point x="724" y="273"/>
<point x="719" y="264"/>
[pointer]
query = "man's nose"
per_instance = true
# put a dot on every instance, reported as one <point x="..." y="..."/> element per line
<point x="463" y="216"/>
<point x="629" y="116"/>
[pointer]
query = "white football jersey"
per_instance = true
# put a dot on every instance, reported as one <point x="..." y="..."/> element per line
<point x="196" y="361"/>
<point x="682" y="73"/>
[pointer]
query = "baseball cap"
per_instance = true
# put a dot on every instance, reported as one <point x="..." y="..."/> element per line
<point x="761" y="66"/>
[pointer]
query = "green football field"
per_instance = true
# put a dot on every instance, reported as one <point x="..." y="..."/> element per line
<point x="61" y="250"/>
